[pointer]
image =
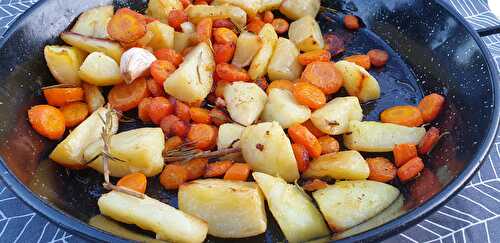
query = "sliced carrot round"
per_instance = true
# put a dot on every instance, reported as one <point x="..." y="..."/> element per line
<point x="224" y="36"/>
<point x="313" y="129"/>
<point x="74" y="113"/>
<point x="167" y="123"/>
<point x="203" y="136"/>
<point x="176" y="18"/>
<point x="223" y="53"/>
<point x="204" y="30"/>
<point x="173" y="176"/>
<point x="411" y="169"/>
<point x="430" y="106"/>
<point x="406" y="115"/>
<point x="381" y="169"/>
<point x="62" y="96"/>
<point x="430" y="139"/>
<point x="323" y="75"/>
<point x="170" y="55"/>
<point x="217" y="169"/>
<point x="299" y="134"/>
<point x="314" y="56"/>
<point x="231" y="73"/>
<point x="309" y="95"/>
<point x="155" y="88"/>
<point x="135" y="181"/>
<point x="360" y="60"/>
<point x="127" y="25"/>
<point x="47" y="120"/>
<point x="125" y="97"/>
<point x="196" y="168"/>
<point x="280" y="84"/>
<point x="328" y="144"/>
<point x="238" y="172"/>
<point x="301" y="156"/>
<point x="161" y="69"/>
<point x="200" y="115"/>
<point x="182" y="111"/>
<point x="159" y="108"/>
<point x="143" y="109"/>
<point x="403" y="153"/>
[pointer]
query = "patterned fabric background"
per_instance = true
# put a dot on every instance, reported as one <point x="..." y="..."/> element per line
<point x="471" y="216"/>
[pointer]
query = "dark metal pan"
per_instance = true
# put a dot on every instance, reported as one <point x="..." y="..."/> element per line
<point x="432" y="49"/>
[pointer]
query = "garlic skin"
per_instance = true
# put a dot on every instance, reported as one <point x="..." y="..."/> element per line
<point x="134" y="63"/>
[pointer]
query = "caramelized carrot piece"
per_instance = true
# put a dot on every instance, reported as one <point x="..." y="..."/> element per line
<point x="219" y="117"/>
<point x="430" y="140"/>
<point x="262" y="83"/>
<point x="299" y="134"/>
<point x="313" y="129"/>
<point x="381" y="169"/>
<point x="223" y="53"/>
<point x="159" y="108"/>
<point x="173" y="142"/>
<point x="224" y="36"/>
<point x="170" y="55"/>
<point x="255" y="25"/>
<point x="314" y="185"/>
<point x="231" y="73"/>
<point x="182" y="111"/>
<point x="62" y="96"/>
<point x="127" y="26"/>
<point x="351" y="22"/>
<point x="196" y="168"/>
<point x="125" y="97"/>
<point x="176" y="18"/>
<point x="280" y="84"/>
<point x="200" y="115"/>
<point x="403" y="153"/>
<point x="268" y="17"/>
<point x="430" y="106"/>
<point x="217" y="169"/>
<point x="135" y="181"/>
<point x="203" y="136"/>
<point x="167" y="123"/>
<point x="204" y="30"/>
<point x="406" y="115"/>
<point x="309" y="95"/>
<point x="180" y="128"/>
<point x="314" y="56"/>
<point x="161" y="69"/>
<point x="280" y="25"/>
<point x="301" y="156"/>
<point x="47" y="121"/>
<point x="323" y="75"/>
<point x="74" y="113"/>
<point x="238" y="172"/>
<point x="143" y="109"/>
<point x="155" y="88"/>
<point x="172" y="176"/>
<point x="378" y="57"/>
<point x="360" y="60"/>
<point x="328" y="144"/>
<point x="411" y="169"/>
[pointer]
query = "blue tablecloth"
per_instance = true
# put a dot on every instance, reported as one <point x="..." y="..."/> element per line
<point x="471" y="216"/>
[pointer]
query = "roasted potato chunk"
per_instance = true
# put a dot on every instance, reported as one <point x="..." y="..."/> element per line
<point x="335" y="116"/>
<point x="269" y="5"/>
<point x="380" y="137"/>
<point x="109" y="225"/>
<point x="237" y="15"/>
<point x="100" y="70"/>
<point x="94" y="22"/>
<point x="260" y="62"/>
<point x="159" y="9"/>
<point x="229" y="135"/>
<point x="232" y="209"/>
<point x="181" y="41"/>
<point x="349" y="203"/>
<point x="296" y="9"/>
<point x="358" y="82"/>
<point x="284" y="63"/>
<point x="251" y="7"/>
<point x="245" y="102"/>
<point x="349" y="165"/>
<point x="93" y="97"/>
<point x="89" y="44"/>
<point x="64" y="62"/>
<point x="306" y="34"/>
<point x="163" y="35"/>
<point x="247" y="46"/>
<point x="148" y="213"/>
<point x="266" y="148"/>
<point x="297" y="216"/>
<point x="283" y="108"/>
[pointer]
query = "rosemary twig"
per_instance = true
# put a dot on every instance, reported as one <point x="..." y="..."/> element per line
<point x="59" y="86"/>
<point x="122" y="189"/>
<point x="198" y="155"/>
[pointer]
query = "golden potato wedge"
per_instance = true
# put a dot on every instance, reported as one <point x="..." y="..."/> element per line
<point x="358" y="82"/>
<point x="232" y="209"/>
<point x="283" y="108"/>
<point x="69" y="152"/>
<point x="139" y="150"/>
<point x="163" y="35"/>
<point x="284" y="63"/>
<point x="94" y="22"/>
<point x="244" y="101"/>
<point x="306" y="34"/>
<point x="349" y="203"/>
<point x="296" y="9"/>
<point x="269" y="5"/>
<point x="181" y="41"/>
<point x="229" y="135"/>
<point x="335" y="116"/>
<point x="100" y="70"/>
<point x="148" y="213"/>
<point x="258" y="67"/>
<point x="93" y="97"/>
<point x="109" y="225"/>
<point x="296" y="214"/>
<point x="380" y="137"/>
<point x="64" y="62"/>
<point x="193" y="80"/>
<point x="247" y="46"/>
<point x="160" y="9"/>
<point x="237" y="15"/>
<point x="90" y="44"/>
<point x="251" y="7"/>
<point x="266" y="148"/>
<point x="348" y="165"/>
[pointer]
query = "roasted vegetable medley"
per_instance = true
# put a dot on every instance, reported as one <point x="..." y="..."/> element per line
<point x="242" y="106"/>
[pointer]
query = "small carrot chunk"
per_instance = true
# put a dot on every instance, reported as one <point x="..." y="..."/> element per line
<point x="381" y="169"/>
<point x="159" y="108"/>
<point x="62" y="96"/>
<point x="301" y="156"/>
<point x="176" y="18"/>
<point x="255" y="25"/>
<point x="217" y="169"/>
<point x="405" y="115"/>
<point x="378" y="57"/>
<point x="223" y="53"/>
<point x="309" y="95"/>
<point x="143" y="109"/>
<point x="172" y="176"/>
<point x="299" y="134"/>
<point x="314" y="56"/>
<point x="313" y="129"/>
<point x="167" y="123"/>
<point x="203" y="136"/>
<point x="224" y="36"/>
<point x="180" y="128"/>
<point x="430" y="106"/>
<point x="161" y="70"/>
<point x="430" y="139"/>
<point x="351" y="22"/>
<point x="268" y="17"/>
<point x="280" y="84"/>
<point x="47" y="121"/>
<point x="360" y="60"/>
<point x="170" y="55"/>
<point x="323" y="75"/>
<point x="219" y="117"/>
<point x="403" y="153"/>
<point x="280" y="25"/>
<point x="231" y="73"/>
<point x="204" y="30"/>
<point x="182" y="111"/>
<point x="314" y="185"/>
<point x="173" y="143"/>
<point x="155" y="88"/>
<point x="125" y="97"/>
<point x="328" y="144"/>
<point x="74" y="113"/>
<point x="411" y="169"/>
<point x="127" y="26"/>
<point x="135" y="181"/>
<point x="200" y="115"/>
<point x="196" y="168"/>
<point x="238" y="172"/>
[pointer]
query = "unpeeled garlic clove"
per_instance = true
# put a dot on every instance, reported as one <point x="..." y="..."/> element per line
<point x="135" y="63"/>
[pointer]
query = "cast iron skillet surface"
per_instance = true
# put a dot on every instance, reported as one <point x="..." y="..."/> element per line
<point x="431" y="49"/>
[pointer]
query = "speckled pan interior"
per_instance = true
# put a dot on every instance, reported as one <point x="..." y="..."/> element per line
<point x="430" y="51"/>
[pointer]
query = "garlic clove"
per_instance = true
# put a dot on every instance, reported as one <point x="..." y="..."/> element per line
<point x="135" y="63"/>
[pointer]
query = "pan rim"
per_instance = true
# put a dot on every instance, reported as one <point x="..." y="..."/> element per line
<point x="399" y="224"/>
